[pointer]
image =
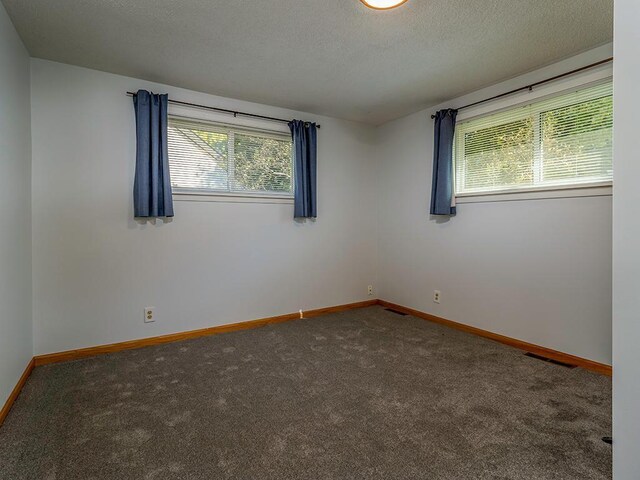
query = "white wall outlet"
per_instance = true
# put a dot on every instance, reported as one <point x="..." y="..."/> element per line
<point x="370" y="290"/>
<point x="149" y="315"/>
<point x="436" y="296"/>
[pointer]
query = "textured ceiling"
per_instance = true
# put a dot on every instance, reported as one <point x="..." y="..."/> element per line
<point x="332" y="57"/>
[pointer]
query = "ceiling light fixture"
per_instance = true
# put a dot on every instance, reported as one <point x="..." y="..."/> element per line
<point x="383" y="4"/>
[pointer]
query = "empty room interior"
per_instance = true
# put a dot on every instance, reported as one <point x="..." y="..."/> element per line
<point x="338" y="239"/>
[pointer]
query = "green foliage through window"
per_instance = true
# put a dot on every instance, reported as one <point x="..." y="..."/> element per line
<point x="575" y="132"/>
<point x="262" y="164"/>
<point x="499" y="155"/>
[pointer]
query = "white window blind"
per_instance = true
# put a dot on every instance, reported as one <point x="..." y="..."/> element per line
<point x="554" y="143"/>
<point x="216" y="158"/>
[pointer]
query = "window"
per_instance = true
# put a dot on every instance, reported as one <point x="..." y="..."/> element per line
<point x="215" y="158"/>
<point x="565" y="141"/>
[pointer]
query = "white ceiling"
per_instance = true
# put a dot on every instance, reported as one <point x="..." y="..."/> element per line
<point x="331" y="57"/>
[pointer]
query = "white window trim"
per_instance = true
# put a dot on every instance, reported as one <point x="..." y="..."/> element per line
<point x="248" y="124"/>
<point x="185" y="196"/>
<point x="597" y="189"/>
<point x="600" y="189"/>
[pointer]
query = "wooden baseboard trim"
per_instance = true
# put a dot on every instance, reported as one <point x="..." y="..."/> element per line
<point x="339" y="308"/>
<point x="513" y="342"/>
<point x="175" y="337"/>
<point x="16" y="391"/>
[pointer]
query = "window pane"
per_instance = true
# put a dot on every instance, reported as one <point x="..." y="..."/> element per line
<point x="559" y="141"/>
<point x="262" y="164"/>
<point x="198" y="158"/>
<point x="220" y="158"/>
<point x="498" y="156"/>
<point x="577" y="140"/>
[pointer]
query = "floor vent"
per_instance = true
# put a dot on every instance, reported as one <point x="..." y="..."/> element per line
<point x="550" y="360"/>
<point x="396" y="312"/>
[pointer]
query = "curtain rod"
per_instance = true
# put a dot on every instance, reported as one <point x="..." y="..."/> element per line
<point x="530" y="87"/>
<point x="225" y="110"/>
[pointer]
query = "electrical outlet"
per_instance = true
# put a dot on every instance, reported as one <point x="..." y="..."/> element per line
<point x="149" y="315"/>
<point x="436" y="296"/>
<point x="370" y="290"/>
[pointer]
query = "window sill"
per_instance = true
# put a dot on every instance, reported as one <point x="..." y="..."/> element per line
<point x="179" y="196"/>
<point x="599" y="190"/>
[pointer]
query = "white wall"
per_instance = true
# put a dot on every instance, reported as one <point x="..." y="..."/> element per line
<point x="95" y="268"/>
<point x="626" y="243"/>
<point x="15" y="208"/>
<point x="535" y="270"/>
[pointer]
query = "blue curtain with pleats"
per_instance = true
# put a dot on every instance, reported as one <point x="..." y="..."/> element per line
<point x="442" y="181"/>
<point x="152" y="184"/>
<point x="305" y="144"/>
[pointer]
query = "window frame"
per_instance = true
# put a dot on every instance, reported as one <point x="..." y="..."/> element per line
<point x="559" y="190"/>
<point x="260" y="127"/>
